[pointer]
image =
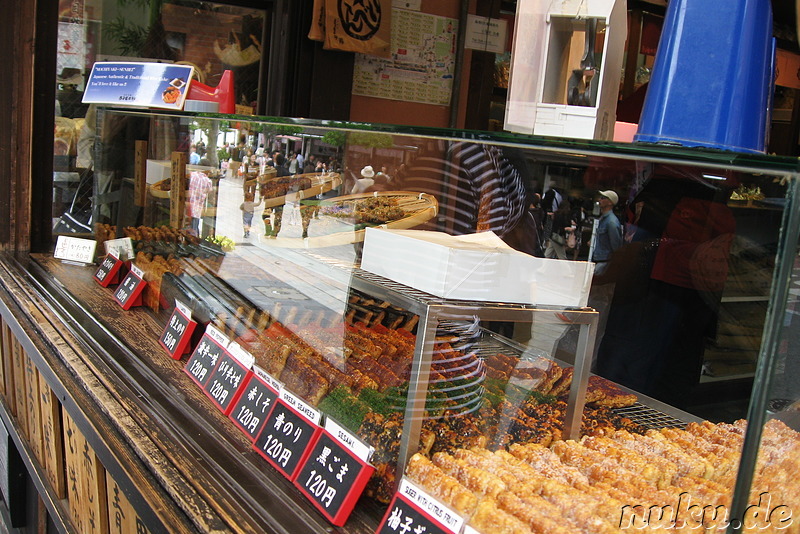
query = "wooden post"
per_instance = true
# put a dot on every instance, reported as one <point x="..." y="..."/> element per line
<point x="140" y="175"/>
<point x="177" y="195"/>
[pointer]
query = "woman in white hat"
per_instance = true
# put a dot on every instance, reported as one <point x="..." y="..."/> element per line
<point x="366" y="181"/>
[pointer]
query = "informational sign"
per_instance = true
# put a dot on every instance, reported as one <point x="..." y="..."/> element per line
<point x="335" y="473"/>
<point x="75" y="249"/>
<point x="151" y="85"/>
<point x="422" y="62"/>
<point x="488" y="35"/>
<point x="108" y="272"/>
<point x="413" y="510"/>
<point x="285" y="440"/>
<point x="257" y="399"/>
<point x="178" y="332"/>
<point x="206" y="355"/>
<point x="121" y="248"/>
<point x="225" y="383"/>
<point x="129" y="292"/>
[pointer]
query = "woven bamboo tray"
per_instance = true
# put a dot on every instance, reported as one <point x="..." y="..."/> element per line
<point x="320" y="183"/>
<point x="418" y="207"/>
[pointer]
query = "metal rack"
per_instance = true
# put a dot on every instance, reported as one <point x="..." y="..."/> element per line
<point x="432" y="310"/>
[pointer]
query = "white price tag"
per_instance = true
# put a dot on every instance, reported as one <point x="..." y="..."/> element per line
<point x="75" y="249"/>
<point x="302" y="408"/>
<point x="137" y="271"/>
<point x="217" y="336"/>
<point x="348" y="440"/>
<point x="183" y="308"/>
<point x="121" y="248"/>
<point x="276" y="384"/>
<point x="245" y="358"/>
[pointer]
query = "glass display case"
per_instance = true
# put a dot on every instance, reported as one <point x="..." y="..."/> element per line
<point x="396" y="284"/>
<point x="587" y="381"/>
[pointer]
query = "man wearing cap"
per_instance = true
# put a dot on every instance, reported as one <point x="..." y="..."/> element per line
<point x="609" y="231"/>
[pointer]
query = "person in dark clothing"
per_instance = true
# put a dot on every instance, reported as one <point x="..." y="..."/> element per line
<point x="668" y="286"/>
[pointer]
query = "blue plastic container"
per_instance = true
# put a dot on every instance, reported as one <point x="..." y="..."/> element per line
<point x="713" y="76"/>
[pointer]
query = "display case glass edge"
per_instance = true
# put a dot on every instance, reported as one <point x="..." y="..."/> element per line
<point x="775" y="329"/>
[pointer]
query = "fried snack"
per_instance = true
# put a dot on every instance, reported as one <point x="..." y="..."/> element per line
<point x="476" y="480"/>
<point x="489" y="518"/>
<point x="440" y="485"/>
<point x="603" y="392"/>
<point x="651" y="447"/>
<point x="540" y="515"/>
<point x="661" y="476"/>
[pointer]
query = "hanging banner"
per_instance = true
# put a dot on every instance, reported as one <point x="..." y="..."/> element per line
<point x="787" y="69"/>
<point x="362" y="26"/>
<point x="317" y="30"/>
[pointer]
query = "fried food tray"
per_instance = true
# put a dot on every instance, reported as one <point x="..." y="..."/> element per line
<point x="647" y="412"/>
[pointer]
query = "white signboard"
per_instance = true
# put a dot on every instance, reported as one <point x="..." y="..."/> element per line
<point x="75" y="249"/>
<point x="488" y="35"/>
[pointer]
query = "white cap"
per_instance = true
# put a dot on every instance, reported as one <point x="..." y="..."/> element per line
<point x="367" y="172"/>
<point x="610" y="195"/>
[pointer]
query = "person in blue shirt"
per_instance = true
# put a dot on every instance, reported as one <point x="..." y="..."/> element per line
<point x="194" y="157"/>
<point x="609" y="232"/>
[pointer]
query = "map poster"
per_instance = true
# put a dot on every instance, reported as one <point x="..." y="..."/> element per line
<point x="422" y="62"/>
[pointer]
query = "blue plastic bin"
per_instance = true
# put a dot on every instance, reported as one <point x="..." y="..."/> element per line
<point x="713" y="76"/>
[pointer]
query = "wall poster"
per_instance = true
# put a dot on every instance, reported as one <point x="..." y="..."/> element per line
<point x="422" y="62"/>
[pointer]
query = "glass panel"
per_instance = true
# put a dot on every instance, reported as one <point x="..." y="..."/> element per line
<point x="213" y="37"/>
<point x="271" y="251"/>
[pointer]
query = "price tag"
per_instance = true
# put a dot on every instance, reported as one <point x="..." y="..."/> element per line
<point x="121" y="248"/>
<point x="225" y="383"/>
<point x="335" y="473"/>
<point x="413" y="510"/>
<point x="108" y="272"/>
<point x="75" y="249"/>
<point x="205" y="356"/>
<point x="291" y="427"/>
<point x="178" y="332"/>
<point x="129" y="292"/>
<point x="252" y="408"/>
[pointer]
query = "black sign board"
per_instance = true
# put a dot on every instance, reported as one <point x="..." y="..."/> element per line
<point x="251" y="410"/>
<point x="225" y="382"/>
<point x="12" y="478"/>
<point x="108" y="272"/>
<point x="284" y="441"/>
<point x="412" y="510"/>
<point x="129" y="292"/>
<point x="204" y="359"/>
<point x="177" y="333"/>
<point x="333" y="477"/>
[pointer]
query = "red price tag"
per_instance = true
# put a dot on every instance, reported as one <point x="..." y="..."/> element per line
<point x="129" y="292"/>
<point x="177" y="334"/>
<point x="287" y="435"/>
<point x="108" y="272"/>
<point x="333" y="475"/>
<point x="413" y="510"/>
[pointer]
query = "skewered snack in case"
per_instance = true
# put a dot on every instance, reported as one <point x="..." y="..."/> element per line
<point x="603" y="485"/>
